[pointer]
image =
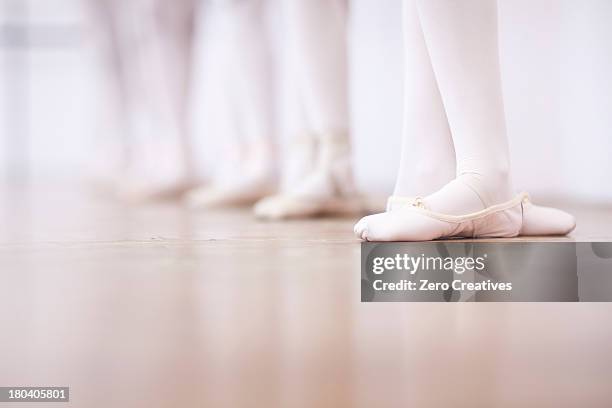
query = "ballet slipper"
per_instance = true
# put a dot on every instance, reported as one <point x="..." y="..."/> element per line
<point x="143" y="192"/>
<point x="288" y="206"/>
<point x="229" y="196"/>
<point x="327" y="189"/>
<point x="415" y="222"/>
<point x="537" y="220"/>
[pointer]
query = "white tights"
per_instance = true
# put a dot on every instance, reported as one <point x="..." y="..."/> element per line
<point x="315" y="58"/>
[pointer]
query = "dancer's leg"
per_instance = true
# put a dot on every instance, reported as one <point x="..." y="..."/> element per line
<point x="299" y="154"/>
<point x="240" y="26"/>
<point x="427" y="157"/>
<point x="316" y="46"/>
<point x="467" y="72"/>
<point x="111" y="119"/>
<point x="427" y="160"/>
<point x="156" y="46"/>
<point x="176" y="27"/>
<point x="463" y="46"/>
<point x="255" y="99"/>
<point x="316" y="33"/>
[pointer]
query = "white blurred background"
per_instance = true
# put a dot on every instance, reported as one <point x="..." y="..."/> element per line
<point x="557" y="73"/>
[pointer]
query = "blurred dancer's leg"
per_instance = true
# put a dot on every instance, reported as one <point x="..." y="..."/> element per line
<point x="316" y="48"/>
<point x="110" y="123"/>
<point x="156" y="43"/>
<point x="316" y="70"/>
<point x="243" y="64"/>
<point x="150" y="44"/>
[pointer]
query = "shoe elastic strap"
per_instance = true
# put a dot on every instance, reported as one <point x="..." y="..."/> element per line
<point x="520" y="198"/>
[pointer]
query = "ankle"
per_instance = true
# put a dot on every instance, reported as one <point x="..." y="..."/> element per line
<point x="499" y="175"/>
<point x="422" y="180"/>
<point x="492" y="186"/>
<point x="333" y="146"/>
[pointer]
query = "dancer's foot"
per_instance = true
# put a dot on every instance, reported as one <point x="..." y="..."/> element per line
<point x="244" y="192"/>
<point x="405" y="220"/>
<point x="143" y="181"/>
<point x="290" y="206"/>
<point x="139" y="190"/>
<point x="537" y="220"/>
<point x="245" y="175"/>
<point x="157" y="164"/>
<point x="418" y="222"/>
<point x="325" y="190"/>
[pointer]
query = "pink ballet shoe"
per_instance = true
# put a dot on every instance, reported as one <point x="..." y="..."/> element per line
<point x="290" y="206"/>
<point x="233" y="195"/>
<point x="408" y="219"/>
<point x="538" y="220"/>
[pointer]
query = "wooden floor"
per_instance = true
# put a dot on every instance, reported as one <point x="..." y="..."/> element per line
<point x="157" y="306"/>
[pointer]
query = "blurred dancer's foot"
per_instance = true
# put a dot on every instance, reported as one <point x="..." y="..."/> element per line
<point x="327" y="188"/>
<point x="246" y="179"/>
<point x="156" y="170"/>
